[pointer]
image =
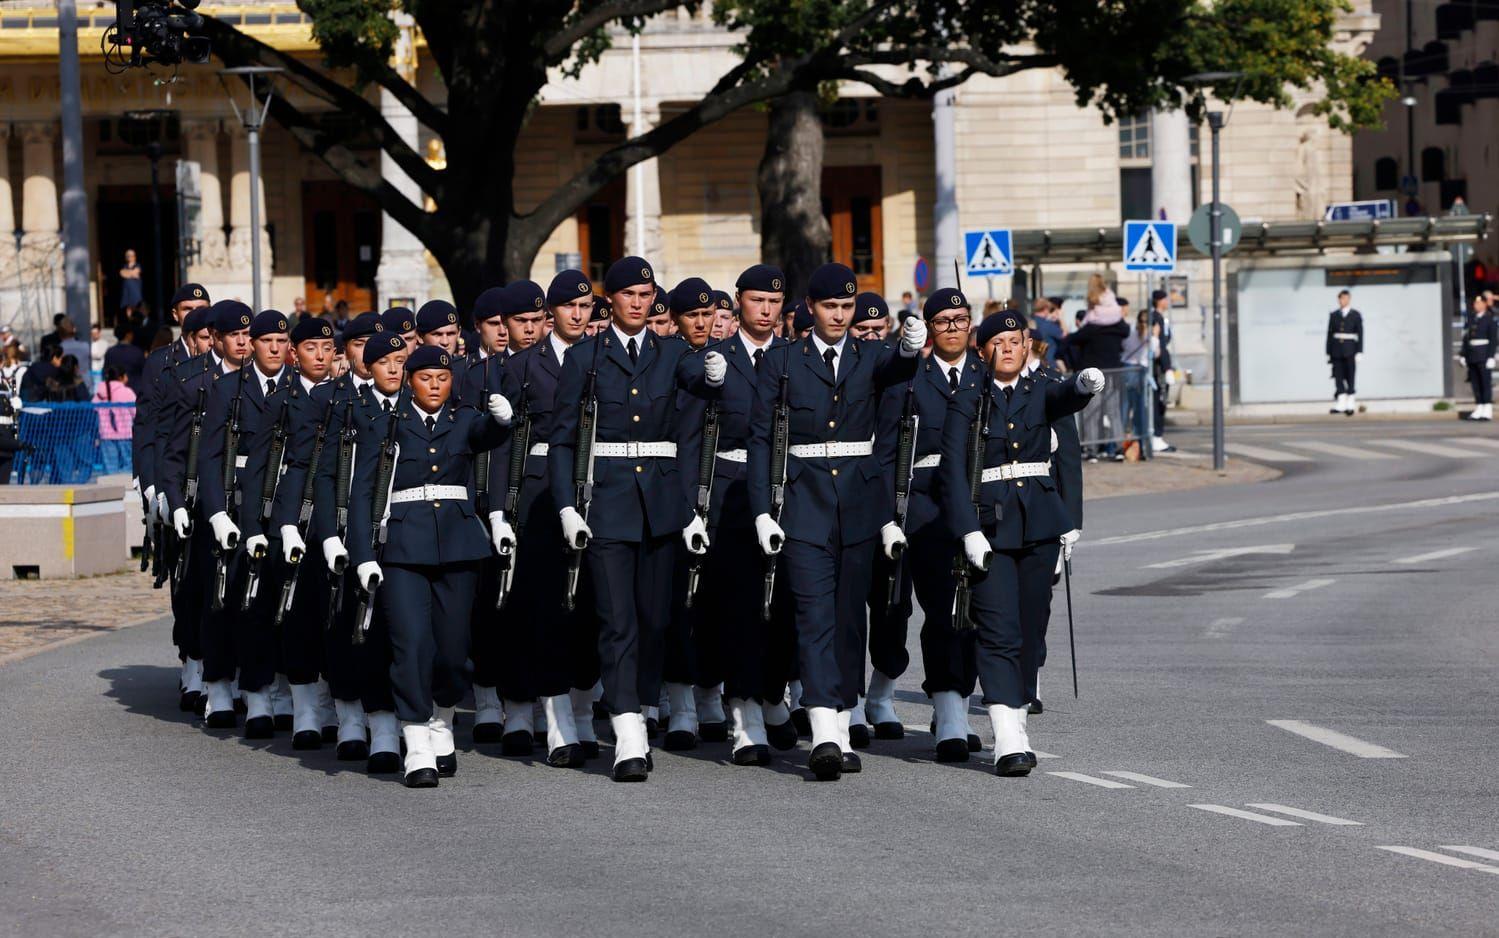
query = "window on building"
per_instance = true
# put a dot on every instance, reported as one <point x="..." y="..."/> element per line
<point x="1386" y="173"/>
<point x="1134" y="137"/>
<point x="1433" y="164"/>
<point x="848" y="117"/>
<point x="1136" y="197"/>
<point x="1451" y="190"/>
<point x="599" y="123"/>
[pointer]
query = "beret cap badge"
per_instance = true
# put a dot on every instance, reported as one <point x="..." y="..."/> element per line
<point x="849" y="287"/>
<point x="775" y="283"/>
<point x="197" y="291"/>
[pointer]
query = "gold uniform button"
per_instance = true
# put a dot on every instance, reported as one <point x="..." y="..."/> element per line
<point x="434" y="468"/>
<point x="634" y="391"/>
<point x="1020" y="483"/>
<point x="1016" y="445"/>
<point x="639" y="468"/>
<point x="432" y="450"/>
<point x="835" y="398"/>
<point x="437" y="504"/>
<point x="835" y="472"/>
<point x="1010" y="425"/>
<point x="636" y="418"/>
<point x="832" y="423"/>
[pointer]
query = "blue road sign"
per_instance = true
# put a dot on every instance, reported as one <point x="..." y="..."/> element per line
<point x="1149" y="245"/>
<point x="1366" y="210"/>
<point x="987" y="251"/>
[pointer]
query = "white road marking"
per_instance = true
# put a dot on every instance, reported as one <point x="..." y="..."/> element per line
<point x="1045" y="755"/>
<point x="1292" y="591"/>
<point x="1436" y="555"/>
<point x="1439" y="858"/>
<point x="1219" y="628"/>
<point x="1148" y="780"/>
<point x="1474" y="441"/>
<point x="1268" y="455"/>
<point x="1260" y="520"/>
<point x="1341" y="741"/>
<point x="1090" y="779"/>
<point x="1430" y="449"/>
<point x="1336" y="449"/>
<point x="1207" y="556"/>
<point x="1307" y="815"/>
<point x="1246" y="815"/>
<point x="1476" y="852"/>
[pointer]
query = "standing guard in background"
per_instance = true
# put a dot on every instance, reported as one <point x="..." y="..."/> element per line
<point x="1345" y="349"/>
<point x="428" y="557"/>
<point x="1480" y="340"/>
<point x="829" y="384"/>
<point x="1010" y="519"/>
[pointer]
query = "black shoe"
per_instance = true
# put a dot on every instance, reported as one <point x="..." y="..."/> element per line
<point x="260" y="728"/>
<point x="1335" y="410"/>
<point x="422" y="778"/>
<point x="222" y="720"/>
<point x="858" y="736"/>
<point x="631" y="770"/>
<point x="1035" y="707"/>
<point x="752" y="755"/>
<point x="488" y="732"/>
<point x="680" y="741"/>
<point x="974" y="743"/>
<point x="518" y="743"/>
<point x="240" y="706"/>
<point x="330" y="734"/>
<point x="191" y="701"/>
<point x="952" y="750"/>
<point x="566" y="757"/>
<point x="307" y="739"/>
<point x="781" y="735"/>
<point x="826" y="762"/>
<point x="650" y="764"/>
<point x="353" y="750"/>
<point x="851" y="763"/>
<point x="590" y="748"/>
<point x="889" y="731"/>
<point x="1015" y="764"/>
<point x="283" y="722"/>
<point x="383" y="763"/>
<point x="713" y="732"/>
<point x="652" y="726"/>
<point x="447" y="766"/>
<point x="801" y="721"/>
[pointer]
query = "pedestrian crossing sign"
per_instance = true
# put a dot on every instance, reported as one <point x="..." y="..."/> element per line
<point x="988" y="252"/>
<point x="1149" y="245"/>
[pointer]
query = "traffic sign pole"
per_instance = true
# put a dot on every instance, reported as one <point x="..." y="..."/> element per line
<point x="1215" y="124"/>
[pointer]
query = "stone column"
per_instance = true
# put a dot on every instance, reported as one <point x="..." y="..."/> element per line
<point x="39" y="215"/>
<point x="403" y="271"/>
<point x="643" y="192"/>
<point x="239" y="216"/>
<point x="1171" y="165"/>
<point x="202" y="147"/>
<point x="9" y="257"/>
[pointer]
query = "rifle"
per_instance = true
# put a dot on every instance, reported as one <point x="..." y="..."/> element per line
<point x="304" y="515"/>
<point x="148" y="548"/>
<point x="481" y="460"/>
<point x="780" y="445"/>
<point x="705" y="466"/>
<point x="190" y="480"/>
<point x="588" y="412"/>
<point x="268" y="484"/>
<point x="905" y="459"/>
<point x="342" y="477"/>
<point x="232" y="431"/>
<point x="385" y="474"/>
<point x="520" y="442"/>
<point x="978" y="438"/>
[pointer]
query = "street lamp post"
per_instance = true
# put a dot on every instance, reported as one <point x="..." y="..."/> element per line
<point x="253" y="121"/>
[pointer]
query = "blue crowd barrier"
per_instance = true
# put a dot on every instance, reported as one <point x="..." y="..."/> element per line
<point x="72" y="443"/>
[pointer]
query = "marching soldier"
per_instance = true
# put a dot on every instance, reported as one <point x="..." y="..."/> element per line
<point x="398" y="320"/>
<point x="1345" y="349"/>
<point x="827" y="388"/>
<point x="1480" y="339"/>
<point x="427" y="567"/>
<point x="1010" y="520"/>
<point x="437" y="324"/>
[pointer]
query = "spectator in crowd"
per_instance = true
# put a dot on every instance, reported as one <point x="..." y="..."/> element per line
<point x="1040" y="348"/>
<point x="1160" y="323"/>
<point x="125" y="356"/>
<point x="54" y="336"/>
<point x="73" y="345"/>
<point x="1138" y="353"/>
<point x="908" y="302"/>
<point x="327" y="312"/>
<point x="66" y="383"/>
<point x="299" y="307"/>
<point x="131" y="294"/>
<point x="115" y="422"/>
<point x="14" y="361"/>
<point x="1045" y="328"/>
<point x="1097" y="343"/>
<point x="97" y="346"/>
<point x="340" y="315"/>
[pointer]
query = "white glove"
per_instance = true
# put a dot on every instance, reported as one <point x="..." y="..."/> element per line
<point x="1054" y="441"/>
<point x="368" y="575"/>
<point x="499" y="409"/>
<point x="715" y="367"/>
<point x="912" y="336"/>
<point x="1489" y="364"/>
<point x="225" y="532"/>
<point x="292" y="545"/>
<point x="181" y="523"/>
<point x="161" y="508"/>
<point x="256" y="544"/>
<point x="696" y="536"/>
<point x="976" y="549"/>
<point x="334" y="553"/>
<point x="1068" y="541"/>
<point x="153" y="512"/>
<point x="501" y="534"/>
<point x="575" y="531"/>
<point x="893" y="539"/>
<point x="135" y="483"/>
<point x="1090" y="380"/>
<point x="769" y="534"/>
<point x="1358" y="356"/>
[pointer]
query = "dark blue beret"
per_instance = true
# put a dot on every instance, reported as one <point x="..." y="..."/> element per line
<point x="941" y="300"/>
<point x="364" y="324"/>
<point x="398" y="319"/>
<point x="722" y="300"/>
<point x="429" y="356"/>
<point x="692" y="293"/>
<point x="268" y="322"/>
<point x="197" y="319"/>
<point x="490" y="304"/>
<point x="1006" y="320"/>
<point x="832" y="282"/>
<point x="869" y="306"/>
<point x="659" y="304"/>
<point x="434" y="315"/>
<point x="231" y="316"/>
<point x="764" y="277"/>
<point x="628" y="272"/>
<point x="603" y="310"/>
<point x="523" y="296"/>
<point x="187" y="292"/>
<point x="568" y="286"/>
<point x="309" y="328"/>
<point x="382" y="345"/>
<point x="801" y="317"/>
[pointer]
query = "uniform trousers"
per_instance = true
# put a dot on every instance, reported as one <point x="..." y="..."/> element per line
<point x="831" y="584"/>
<point x="679" y="665"/>
<point x="543" y="649"/>
<point x="188" y="602"/>
<point x="497" y="637"/>
<point x="215" y="627"/>
<point x="888" y="621"/>
<point x="427" y="611"/>
<point x="374" y="653"/>
<point x="344" y="667"/>
<point x="254" y="639"/>
<point x="947" y="655"/>
<point x="304" y="627"/>
<point x="1482" y="381"/>
<point x="632" y="596"/>
<point x="756" y="655"/>
<point x="1012" y="603"/>
<point x="1342" y="374"/>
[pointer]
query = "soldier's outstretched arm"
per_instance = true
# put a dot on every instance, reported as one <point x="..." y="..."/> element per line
<point x="893" y="367"/>
<point x="1065" y="398"/>
<point x="484" y="433"/>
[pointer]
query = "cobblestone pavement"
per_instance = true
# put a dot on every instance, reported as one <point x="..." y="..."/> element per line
<point x="1168" y="472"/>
<point x="34" y="613"/>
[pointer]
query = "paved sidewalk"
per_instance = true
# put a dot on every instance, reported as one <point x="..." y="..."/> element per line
<point x="38" y="613"/>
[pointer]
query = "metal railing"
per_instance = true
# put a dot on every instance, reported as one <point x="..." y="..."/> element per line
<point x="1122" y="412"/>
<point x="71" y="443"/>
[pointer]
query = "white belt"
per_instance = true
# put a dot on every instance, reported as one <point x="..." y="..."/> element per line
<point x="1347" y="336"/>
<point x="928" y="462"/>
<point x="539" y="449"/>
<point x="1016" y="470"/>
<point x="733" y="455"/>
<point x="1478" y="341"/>
<point x="637" y="450"/>
<point x="834" y="450"/>
<point x="429" y="493"/>
<point x="241" y="462"/>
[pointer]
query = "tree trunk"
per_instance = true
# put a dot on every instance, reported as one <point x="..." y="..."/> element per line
<point x="794" y="233"/>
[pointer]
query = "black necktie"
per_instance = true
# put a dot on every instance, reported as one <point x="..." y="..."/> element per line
<point x="759" y="354"/>
<point x="1009" y="393"/>
<point x="270" y="387"/>
<point x="633" y="350"/>
<point x="387" y="406"/>
<point x="431" y="424"/>
<point x="952" y="379"/>
<point x="831" y="356"/>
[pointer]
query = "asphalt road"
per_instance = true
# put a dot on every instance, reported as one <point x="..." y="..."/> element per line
<point x="1317" y="653"/>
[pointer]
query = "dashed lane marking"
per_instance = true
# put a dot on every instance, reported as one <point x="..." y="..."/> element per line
<point x="1430" y="449"/>
<point x="1208" y="556"/>
<point x="1219" y="628"/>
<point x="1476" y="852"/>
<point x="1090" y="779"/>
<point x="1307" y="815"/>
<point x="1436" y="555"/>
<point x="1341" y="741"/>
<point x="1474" y="441"/>
<point x="1439" y="858"/>
<point x="1290" y="592"/>
<point x="1148" y="780"/>
<point x="1336" y="449"/>
<point x="1246" y="815"/>
<point x="1265" y="453"/>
